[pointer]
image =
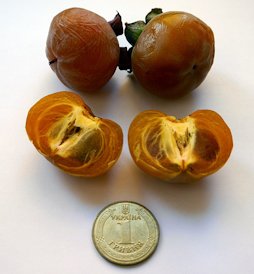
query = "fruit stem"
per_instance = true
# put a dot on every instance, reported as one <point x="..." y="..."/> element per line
<point x="117" y="25"/>
<point x="125" y="59"/>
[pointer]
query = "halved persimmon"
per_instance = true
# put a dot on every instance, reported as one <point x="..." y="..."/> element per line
<point x="64" y="129"/>
<point x="193" y="147"/>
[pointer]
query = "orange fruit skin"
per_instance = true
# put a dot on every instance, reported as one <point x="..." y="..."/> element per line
<point x="173" y="54"/>
<point x="84" y="47"/>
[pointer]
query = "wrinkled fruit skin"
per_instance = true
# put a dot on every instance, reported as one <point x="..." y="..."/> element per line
<point x="64" y="129"/>
<point x="173" y="54"/>
<point x="184" y="150"/>
<point x="84" y="47"/>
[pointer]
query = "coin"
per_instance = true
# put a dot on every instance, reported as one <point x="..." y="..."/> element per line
<point x="125" y="233"/>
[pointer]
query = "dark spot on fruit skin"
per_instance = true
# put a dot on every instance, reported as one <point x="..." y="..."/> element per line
<point x="52" y="61"/>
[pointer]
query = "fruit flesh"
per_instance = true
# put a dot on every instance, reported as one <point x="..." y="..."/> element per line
<point x="166" y="147"/>
<point x="76" y="136"/>
<point x="171" y="140"/>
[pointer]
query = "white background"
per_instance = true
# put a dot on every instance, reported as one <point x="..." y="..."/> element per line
<point x="46" y="216"/>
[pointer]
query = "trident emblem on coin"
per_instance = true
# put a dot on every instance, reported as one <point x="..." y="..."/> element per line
<point x="125" y="226"/>
<point x="125" y="209"/>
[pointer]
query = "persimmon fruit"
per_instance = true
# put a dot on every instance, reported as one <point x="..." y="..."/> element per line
<point x="82" y="49"/>
<point x="64" y="130"/>
<point x="184" y="149"/>
<point x="172" y="54"/>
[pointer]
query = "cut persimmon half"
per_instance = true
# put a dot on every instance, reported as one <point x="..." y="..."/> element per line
<point x="193" y="147"/>
<point x="64" y="129"/>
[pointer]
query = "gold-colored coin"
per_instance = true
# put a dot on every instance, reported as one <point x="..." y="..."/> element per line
<point x="125" y="233"/>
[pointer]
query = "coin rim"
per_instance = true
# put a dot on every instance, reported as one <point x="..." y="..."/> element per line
<point x="122" y="263"/>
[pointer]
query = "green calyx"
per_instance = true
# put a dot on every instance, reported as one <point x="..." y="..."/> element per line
<point x="133" y="30"/>
<point x="152" y="14"/>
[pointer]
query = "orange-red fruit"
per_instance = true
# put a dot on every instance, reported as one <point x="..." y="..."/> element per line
<point x="82" y="49"/>
<point x="173" y="54"/>
<point x="64" y="129"/>
<point x="190" y="148"/>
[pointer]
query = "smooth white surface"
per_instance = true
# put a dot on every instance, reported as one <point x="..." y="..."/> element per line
<point x="46" y="216"/>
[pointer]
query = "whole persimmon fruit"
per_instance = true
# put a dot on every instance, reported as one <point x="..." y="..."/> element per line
<point x="82" y="49"/>
<point x="181" y="149"/>
<point x="173" y="53"/>
<point x="64" y="129"/>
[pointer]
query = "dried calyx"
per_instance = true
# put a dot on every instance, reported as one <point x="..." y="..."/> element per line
<point x="116" y="25"/>
<point x="125" y="59"/>
<point x="132" y="32"/>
